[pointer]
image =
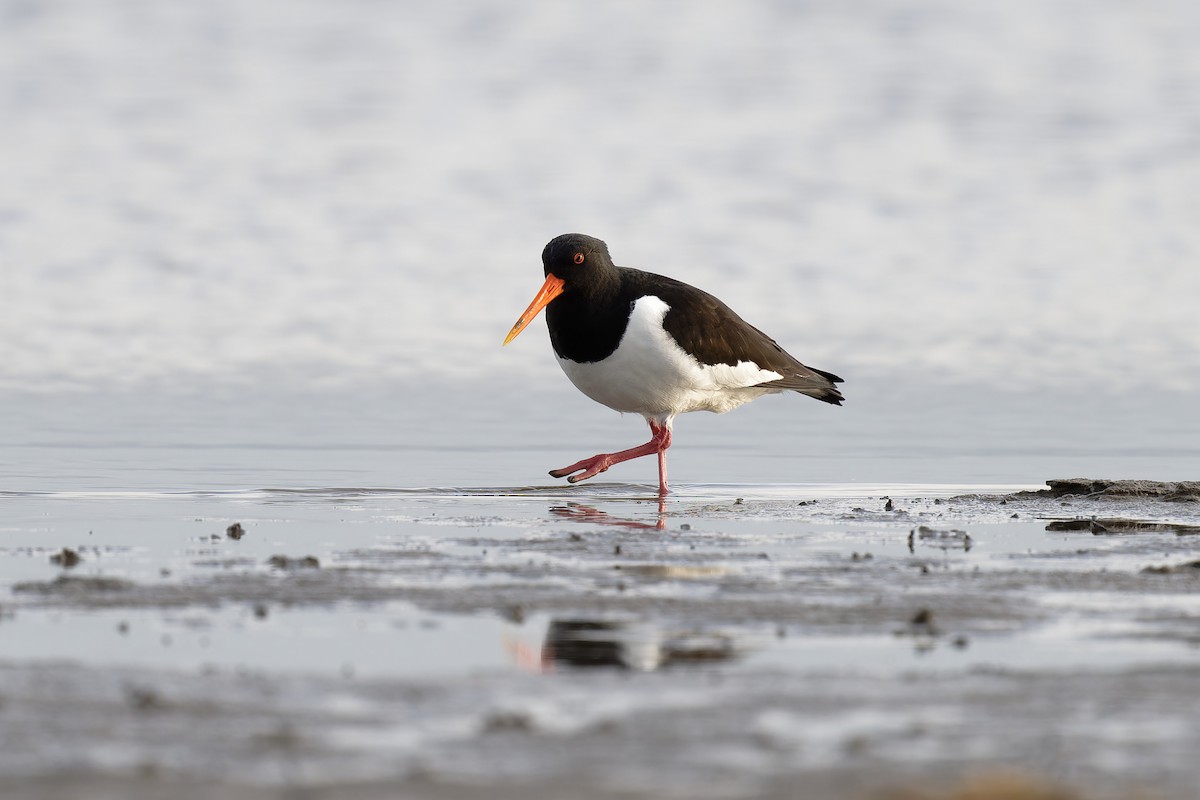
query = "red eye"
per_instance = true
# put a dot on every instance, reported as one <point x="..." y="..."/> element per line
<point x="578" y="258"/>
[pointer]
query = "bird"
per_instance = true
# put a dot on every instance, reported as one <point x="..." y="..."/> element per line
<point x="647" y="344"/>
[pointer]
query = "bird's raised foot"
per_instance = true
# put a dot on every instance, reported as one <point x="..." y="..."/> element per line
<point x="588" y="468"/>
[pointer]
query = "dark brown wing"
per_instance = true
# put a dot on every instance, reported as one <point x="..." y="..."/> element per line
<point x="714" y="334"/>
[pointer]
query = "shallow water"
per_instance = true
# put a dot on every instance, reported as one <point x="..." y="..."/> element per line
<point x="455" y="434"/>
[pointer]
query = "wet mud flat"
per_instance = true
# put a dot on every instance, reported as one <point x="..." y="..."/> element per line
<point x="759" y="641"/>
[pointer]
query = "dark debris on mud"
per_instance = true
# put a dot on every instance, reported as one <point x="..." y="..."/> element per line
<point x="1171" y="491"/>
<point x="1110" y="526"/>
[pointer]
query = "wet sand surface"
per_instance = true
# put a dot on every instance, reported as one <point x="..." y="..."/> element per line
<point x="755" y="640"/>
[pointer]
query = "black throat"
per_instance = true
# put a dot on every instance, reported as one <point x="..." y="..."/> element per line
<point x="588" y="320"/>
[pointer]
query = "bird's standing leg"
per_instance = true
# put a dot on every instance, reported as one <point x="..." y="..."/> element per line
<point x="660" y="440"/>
<point x="663" y="434"/>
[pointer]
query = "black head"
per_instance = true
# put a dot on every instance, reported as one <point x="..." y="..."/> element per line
<point x="578" y="269"/>
<point x="576" y="258"/>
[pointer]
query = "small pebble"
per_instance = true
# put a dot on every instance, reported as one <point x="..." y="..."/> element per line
<point x="283" y="562"/>
<point x="66" y="559"/>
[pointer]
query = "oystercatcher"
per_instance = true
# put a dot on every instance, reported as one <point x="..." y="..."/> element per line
<point x="651" y="345"/>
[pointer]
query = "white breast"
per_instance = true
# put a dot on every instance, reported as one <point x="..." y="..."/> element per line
<point x="651" y="375"/>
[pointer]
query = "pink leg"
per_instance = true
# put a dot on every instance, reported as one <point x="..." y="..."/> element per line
<point x="662" y="467"/>
<point x="660" y="440"/>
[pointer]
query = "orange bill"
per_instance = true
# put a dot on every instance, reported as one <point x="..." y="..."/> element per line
<point x="551" y="289"/>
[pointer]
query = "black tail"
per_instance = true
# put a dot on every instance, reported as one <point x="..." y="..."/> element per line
<point x="829" y="376"/>
<point x="812" y="382"/>
<point x="831" y="393"/>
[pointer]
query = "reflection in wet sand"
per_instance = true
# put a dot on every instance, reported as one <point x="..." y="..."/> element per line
<point x="637" y="645"/>
<point x="583" y="513"/>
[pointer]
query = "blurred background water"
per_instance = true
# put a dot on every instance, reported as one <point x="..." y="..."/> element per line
<point x="994" y="203"/>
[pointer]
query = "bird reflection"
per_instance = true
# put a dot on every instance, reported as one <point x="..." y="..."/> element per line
<point x="581" y="513"/>
<point x="624" y="644"/>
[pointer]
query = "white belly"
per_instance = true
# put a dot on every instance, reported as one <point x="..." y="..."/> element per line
<point x="651" y="375"/>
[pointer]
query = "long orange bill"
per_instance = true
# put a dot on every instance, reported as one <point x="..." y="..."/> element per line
<point x="551" y="289"/>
